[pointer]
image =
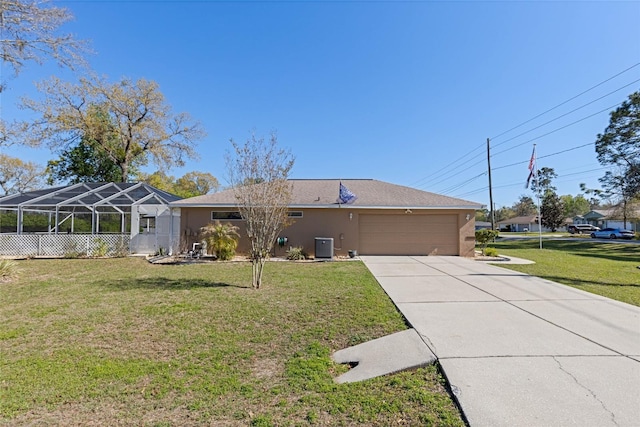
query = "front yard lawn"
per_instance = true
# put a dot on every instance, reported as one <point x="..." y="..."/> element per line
<point x="603" y="268"/>
<point x="124" y="342"/>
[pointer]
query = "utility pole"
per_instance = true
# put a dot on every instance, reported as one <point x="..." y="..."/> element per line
<point x="491" y="206"/>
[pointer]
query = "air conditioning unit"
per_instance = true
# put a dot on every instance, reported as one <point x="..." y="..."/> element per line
<point x="324" y="248"/>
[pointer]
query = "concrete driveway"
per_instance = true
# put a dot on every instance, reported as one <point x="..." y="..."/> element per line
<point x="519" y="350"/>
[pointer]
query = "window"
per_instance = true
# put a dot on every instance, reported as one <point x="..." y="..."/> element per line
<point x="294" y="214"/>
<point x="225" y="216"/>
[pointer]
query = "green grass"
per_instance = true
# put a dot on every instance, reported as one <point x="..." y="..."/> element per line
<point x="121" y="341"/>
<point x="608" y="269"/>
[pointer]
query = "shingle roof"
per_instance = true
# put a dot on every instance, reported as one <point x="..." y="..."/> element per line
<point x="520" y="220"/>
<point x="323" y="193"/>
<point x="612" y="213"/>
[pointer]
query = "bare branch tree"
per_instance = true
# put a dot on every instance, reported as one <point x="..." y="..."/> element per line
<point x="258" y="172"/>
<point x="29" y="33"/>
<point x="128" y="121"/>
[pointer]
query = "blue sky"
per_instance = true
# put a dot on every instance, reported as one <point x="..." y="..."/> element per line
<point x="404" y="92"/>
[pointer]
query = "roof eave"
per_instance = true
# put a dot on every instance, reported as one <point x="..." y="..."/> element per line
<point x="332" y="206"/>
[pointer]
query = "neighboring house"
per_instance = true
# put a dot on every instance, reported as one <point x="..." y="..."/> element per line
<point x="612" y="218"/>
<point x="385" y="219"/>
<point x="483" y="224"/>
<point x="579" y="219"/>
<point x="520" y="224"/>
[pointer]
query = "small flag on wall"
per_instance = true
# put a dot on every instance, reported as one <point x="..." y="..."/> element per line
<point x="345" y="196"/>
<point x="532" y="166"/>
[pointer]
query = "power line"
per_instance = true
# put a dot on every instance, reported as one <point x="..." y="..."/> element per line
<point x="559" y="129"/>
<point x="450" y="169"/>
<point x="568" y="100"/>
<point x="519" y="163"/>
<point x="566" y="114"/>
<point x="546" y="155"/>
<point x="527" y="161"/>
<point x="424" y="180"/>
<point x="456" y="186"/>
<point x="485" y="188"/>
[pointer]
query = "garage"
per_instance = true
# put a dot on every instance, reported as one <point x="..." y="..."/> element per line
<point x="408" y="234"/>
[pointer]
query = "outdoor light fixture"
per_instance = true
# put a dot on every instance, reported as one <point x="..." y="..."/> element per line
<point x="468" y="216"/>
<point x="350" y="216"/>
<point x="408" y="211"/>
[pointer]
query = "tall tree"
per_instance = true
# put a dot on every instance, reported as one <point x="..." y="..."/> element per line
<point x="258" y="172"/>
<point x="87" y="161"/>
<point x="130" y="122"/>
<point x="619" y="148"/>
<point x="504" y="213"/>
<point x="159" y="180"/>
<point x="593" y="195"/>
<point x="551" y="210"/>
<point x="542" y="182"/>
<point x="17" y="176"/>
<point x="525" y="206"/>
<point x="196" y="183"/>
<point x="482" y="215"/>
<point x="82" y="163"/>
<point x="190" y="184"/>
<point x="574" y="206"/>
<point x="30" y="33"/>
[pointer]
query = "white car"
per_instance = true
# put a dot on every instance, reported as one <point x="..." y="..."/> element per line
<point x="613" y="233"/>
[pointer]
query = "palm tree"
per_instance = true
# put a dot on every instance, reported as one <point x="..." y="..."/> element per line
<point x="221" y="239"/>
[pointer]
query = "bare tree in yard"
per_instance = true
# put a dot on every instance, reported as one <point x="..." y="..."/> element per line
<point x="29" y="33"/>
<point x="258" y="172"/>
<point x="129" y="122"/>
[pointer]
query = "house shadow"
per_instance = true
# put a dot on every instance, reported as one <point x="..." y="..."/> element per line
<point x="164" y="284"/>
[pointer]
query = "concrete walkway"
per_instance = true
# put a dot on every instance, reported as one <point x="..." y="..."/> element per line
<point x="519" y="350"/>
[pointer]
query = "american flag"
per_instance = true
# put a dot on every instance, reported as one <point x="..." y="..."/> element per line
<point x="345" y="196"/>
<point x="532" y="166"/>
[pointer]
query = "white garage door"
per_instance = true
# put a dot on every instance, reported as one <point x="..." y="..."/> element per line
<point x="408" y="234"/>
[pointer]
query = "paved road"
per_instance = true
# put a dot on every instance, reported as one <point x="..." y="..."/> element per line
<point x="519" y="350"/>
<point x="579" y="239"/>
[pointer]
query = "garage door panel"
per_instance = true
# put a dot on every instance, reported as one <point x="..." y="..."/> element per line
<point x="408" y="234"/>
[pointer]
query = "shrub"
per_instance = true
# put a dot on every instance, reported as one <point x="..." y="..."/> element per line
<point x="71" y="249"/>
<point x="296" y="254"/>
<point x="491" y="252"/>
<point x="484" y="236"/>
<point x="8" y="269"/>
<point x="221" y="239"/>
<point x="101" y="248"/>
<point x="122" y="249"/>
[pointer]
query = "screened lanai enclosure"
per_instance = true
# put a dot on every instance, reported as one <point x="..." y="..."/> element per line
<point x="89" y="219"/>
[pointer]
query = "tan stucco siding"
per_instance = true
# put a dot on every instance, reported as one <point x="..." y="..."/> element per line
<point x="340" y="224"/>
<point x="452" y="233"/>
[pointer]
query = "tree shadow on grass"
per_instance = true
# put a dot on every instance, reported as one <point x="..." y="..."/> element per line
<point x="587" y="248"/>
<point x="579" y="282"/>
<point x="164" y="283"/>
